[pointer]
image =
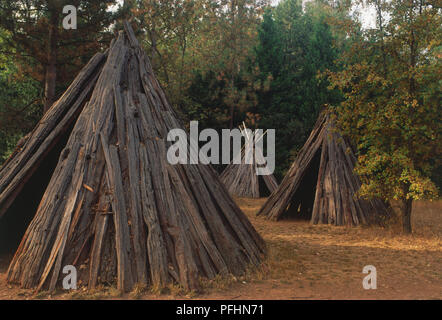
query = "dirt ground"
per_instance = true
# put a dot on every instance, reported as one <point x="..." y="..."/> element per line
<point x="313" y="262"/>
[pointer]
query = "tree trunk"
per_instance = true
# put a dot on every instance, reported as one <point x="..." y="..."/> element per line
<point x="51" y="65"/>
<point x="406" y="215"/>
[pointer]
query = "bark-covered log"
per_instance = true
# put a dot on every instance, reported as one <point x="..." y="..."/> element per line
<point x="114" y="207"/>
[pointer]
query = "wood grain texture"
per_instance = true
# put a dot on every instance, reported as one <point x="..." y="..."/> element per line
<point x="114" y="207"/>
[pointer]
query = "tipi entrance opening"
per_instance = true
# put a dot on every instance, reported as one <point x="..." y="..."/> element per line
<point x="301" y="204"/>
<point x="18" y="216"/>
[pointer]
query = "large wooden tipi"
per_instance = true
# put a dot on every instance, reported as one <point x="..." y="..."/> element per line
<point x="114" y="208"/>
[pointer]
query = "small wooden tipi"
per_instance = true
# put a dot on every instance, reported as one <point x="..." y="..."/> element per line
<point x="240" y="177"/>
<point x="321" y="184"/>
<point x="114" y="207"/>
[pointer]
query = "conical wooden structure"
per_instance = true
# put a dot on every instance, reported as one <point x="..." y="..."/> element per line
<point x="114" y="207"/>
<point x="321" y="183"/>
<point x="241" y="179"/>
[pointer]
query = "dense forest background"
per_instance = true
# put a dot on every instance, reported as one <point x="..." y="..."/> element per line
<point x="221" y="62"/>
<point x="269" y="65"/>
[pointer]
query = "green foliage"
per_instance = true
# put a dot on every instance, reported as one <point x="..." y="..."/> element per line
<point x="24" y="56"/>
<point x="192" y="40"/>
<point x="392" y="104"/>
<point x="19" y="108"/>
<point x="205" y="102"/>
<point x="294" y="46"/>
<point x="36" y="37"/>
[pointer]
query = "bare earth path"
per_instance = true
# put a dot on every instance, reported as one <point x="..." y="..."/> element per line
<point x="318" y="262"/>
